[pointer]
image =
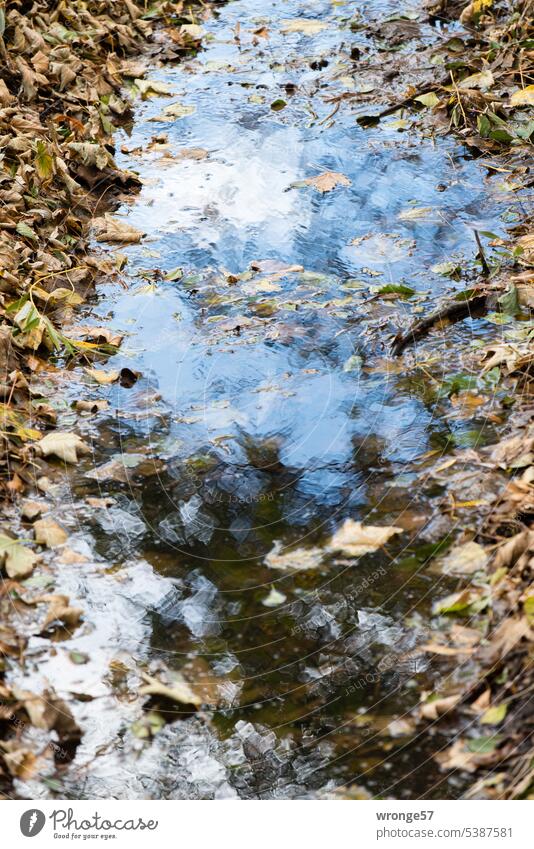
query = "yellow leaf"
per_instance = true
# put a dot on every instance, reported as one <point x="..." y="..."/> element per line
<point x="102" y="377"/>
<point x="523" y="96"/>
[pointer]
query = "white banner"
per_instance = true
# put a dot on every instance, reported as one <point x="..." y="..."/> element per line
<point x="262" y="825"/>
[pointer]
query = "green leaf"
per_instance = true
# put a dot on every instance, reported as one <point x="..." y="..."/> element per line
<point x="396" y="289"/>
<point x="447" y="269"/>
<point x="466" y="295"/>
<point x="484" y="745"/>
<point x="431" y="99"/>
<point x="509" y="301"/>
<point x="175" y="274"/>
<point x="79" y="657"/>
<point x="353" y="363"/>
<point x="24" y="229"/>
<point x="278" y="105"/>
<point x="484" y="126"/>
<point x="494" y="715"/>
<point x="528" y="607"/>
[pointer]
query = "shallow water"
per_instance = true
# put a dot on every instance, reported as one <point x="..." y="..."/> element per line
<point x="267" y="412"/>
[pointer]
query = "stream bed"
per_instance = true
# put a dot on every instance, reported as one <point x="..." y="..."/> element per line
<point x="268" y="410"/>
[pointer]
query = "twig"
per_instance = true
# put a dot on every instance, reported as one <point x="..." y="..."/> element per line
<point x="482" y="256"/>
<point x="449" y="312"/>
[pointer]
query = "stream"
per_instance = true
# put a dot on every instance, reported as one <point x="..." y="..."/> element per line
<point x="267" y="411"/>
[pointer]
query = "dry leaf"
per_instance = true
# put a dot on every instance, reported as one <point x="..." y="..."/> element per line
<point x="59" y="610"/>
<point x="49" y="533"/>
<point x="64" y="445"/>
<point x="307" y="26"/>
<point x="299" y="559"/>
<point x="434" y="708"/>
<point x="178" y="691"/>
<point x="325" y="182"/>
<point x="109" y="229"/>
<point x="356" y="539"/>
<point x="18" y="560"/>
<point x="464" y="559"/>
<point x="102" y="377"/>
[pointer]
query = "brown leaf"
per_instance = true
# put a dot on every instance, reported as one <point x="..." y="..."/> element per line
<point x="109" y="229"/>
<point x="178" y="691"/>
<point x="49" y="533"/>
<point x="437" y="707"/>
<point x="59" y="610"/>
<point x="327" y="181"/>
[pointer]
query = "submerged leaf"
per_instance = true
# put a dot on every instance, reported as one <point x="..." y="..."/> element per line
<point x="356" y="539"/>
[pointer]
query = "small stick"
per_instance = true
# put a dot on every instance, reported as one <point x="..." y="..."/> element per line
<point x="452" y="312"/>
<point x="485" y="266"/>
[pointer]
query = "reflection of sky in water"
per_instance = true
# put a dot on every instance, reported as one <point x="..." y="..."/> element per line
<point x="237" y="206"/>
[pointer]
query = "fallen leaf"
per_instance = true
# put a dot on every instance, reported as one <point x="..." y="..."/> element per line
<point x="31" y="509"/>
<point x="18" y="560"/>
<point x="307" y="26"/>
<point x="48" y="532"/>
<point x="356" y="539"/>
<point x="324" y="182"/>
<point x="109" y="229"/>
<point x="92" y="406"/>
<point x="436" y="707"/>
<point x="102" y="377"/>
<point x="174" y="110"/>
<point x="274" y="598"/>
<point x="59" y="610"/>
<point x="64" y="445"/>
<point x="416" y="213"/>
<point x="299" y="559"/>
<point x="464" y="559"/>
<point x="523" y="96"/>
<point x="494" y="715"/>
<point x="178" y="691"/>
<point x="483" y="80"/>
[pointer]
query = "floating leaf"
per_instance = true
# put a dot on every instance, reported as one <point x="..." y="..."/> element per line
<point x="396" y="289"/>
<point x="509" y="301"/>
<point x="175" y="274"/>
<point x="174" y="110"/>
<point x="324" y="182"/>
<point x="64" y="445"/>
<point x="416" y="213"/>
<point x="307" y="26"/>
<point x="464" y="559"/>
<point x="447" y="269"/>
<point x="178" y="691"/>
